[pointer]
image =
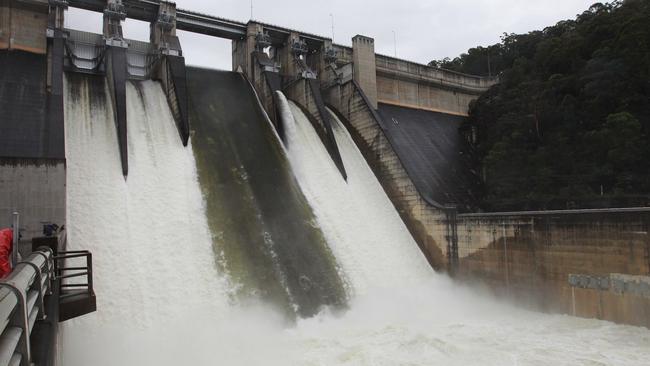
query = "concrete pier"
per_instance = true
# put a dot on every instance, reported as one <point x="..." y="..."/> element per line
<point x="365" y="74"/>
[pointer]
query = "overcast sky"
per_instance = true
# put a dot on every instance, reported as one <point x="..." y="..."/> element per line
<point x="425" y="29"/>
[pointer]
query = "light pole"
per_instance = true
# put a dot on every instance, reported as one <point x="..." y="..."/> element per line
<point x="332" y="18"/>
<point x="395" y="42"/>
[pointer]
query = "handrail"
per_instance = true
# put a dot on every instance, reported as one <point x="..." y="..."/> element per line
<point x="78" y="270"/>
<point x="73" y="275"/>
<point x="22" y="293"/>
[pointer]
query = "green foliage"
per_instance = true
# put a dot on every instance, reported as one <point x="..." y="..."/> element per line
<point x="569" y="123"/>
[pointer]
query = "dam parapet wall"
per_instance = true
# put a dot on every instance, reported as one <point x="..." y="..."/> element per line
<point x="411" y="84"/>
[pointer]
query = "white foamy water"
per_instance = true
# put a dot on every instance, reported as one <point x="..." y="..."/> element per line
<point x="152" y="255"/>
<point x="364" y="230"/>
<point x="403" y="314"/>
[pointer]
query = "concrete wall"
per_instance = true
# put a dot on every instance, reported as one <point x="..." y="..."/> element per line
<point x="413" y="85"/>
<point x="409" y="84"/>
<point x="32" y="168"/>
<point x="530" y="256"/>
<point x="264" y="92"/>
<point x="383" y="79"/>
<point x="289" y="67"/>
<point x="300" y="92"/>
<point x="34" y="189"/>
<point x="419" y="95"/>
<point x="243" y="49"/>
<point x="23" y="25"/>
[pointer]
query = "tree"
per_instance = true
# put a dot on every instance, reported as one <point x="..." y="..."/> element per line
<point x="570" y="118"/>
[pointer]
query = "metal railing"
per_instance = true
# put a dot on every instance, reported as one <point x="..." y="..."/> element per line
<point x="65" y="274"/>
<point x="22" y="295"/>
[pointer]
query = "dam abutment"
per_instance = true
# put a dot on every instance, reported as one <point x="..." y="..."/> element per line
<point x="559" y="262"/>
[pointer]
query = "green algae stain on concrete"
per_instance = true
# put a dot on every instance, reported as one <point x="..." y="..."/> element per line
<point x="264" y="232"/>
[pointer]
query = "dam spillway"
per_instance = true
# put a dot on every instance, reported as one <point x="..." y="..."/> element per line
<point x="399" y="310"/>
<point x="299" y="226"/>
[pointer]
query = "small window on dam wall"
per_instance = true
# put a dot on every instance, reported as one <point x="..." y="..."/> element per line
<point x="206" y="51"/>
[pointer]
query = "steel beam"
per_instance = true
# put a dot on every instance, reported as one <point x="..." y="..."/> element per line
<point x="147" y="10"/>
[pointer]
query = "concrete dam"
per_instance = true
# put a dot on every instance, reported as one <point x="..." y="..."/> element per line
<point x="312" y="206"/>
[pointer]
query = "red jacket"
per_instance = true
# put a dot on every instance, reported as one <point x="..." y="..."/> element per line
<point x="6" y="242"/>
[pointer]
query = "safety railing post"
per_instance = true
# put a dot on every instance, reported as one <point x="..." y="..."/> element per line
<point x="16" y="238"/>
<point x="38" y="284"/>
<point x="89" y="263"/>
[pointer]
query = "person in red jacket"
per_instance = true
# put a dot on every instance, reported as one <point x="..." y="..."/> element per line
<point x="6" y="242"/>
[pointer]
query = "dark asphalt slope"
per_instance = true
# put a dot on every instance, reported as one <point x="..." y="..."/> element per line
<point x="433" y="152"/>
<point x="265" y="233"/>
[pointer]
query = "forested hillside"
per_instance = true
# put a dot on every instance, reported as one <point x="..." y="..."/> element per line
<point x="569" y="124"/>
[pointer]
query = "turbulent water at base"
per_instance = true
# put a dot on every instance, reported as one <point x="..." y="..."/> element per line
<point x="163" y="299"/>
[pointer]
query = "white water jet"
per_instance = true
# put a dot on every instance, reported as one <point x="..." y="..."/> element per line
<point x="153" y="262"/>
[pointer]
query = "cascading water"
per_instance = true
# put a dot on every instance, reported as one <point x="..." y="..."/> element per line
<point x="365" y="232"/>
<point x="153" y="263"/>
